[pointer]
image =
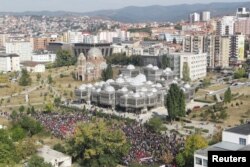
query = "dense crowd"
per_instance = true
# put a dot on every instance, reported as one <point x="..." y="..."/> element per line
<point x="146" y="146"/>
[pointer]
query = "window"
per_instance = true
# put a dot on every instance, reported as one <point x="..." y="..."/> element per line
<point x="198" y="161"/>
<point x="204" y="162"/>
<point x="242" y="141"/>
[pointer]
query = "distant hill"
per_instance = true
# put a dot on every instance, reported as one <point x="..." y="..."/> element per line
<point x="152" y="13"/>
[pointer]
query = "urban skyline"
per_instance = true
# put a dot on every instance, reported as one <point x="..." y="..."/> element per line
<point x="80" y="6"/>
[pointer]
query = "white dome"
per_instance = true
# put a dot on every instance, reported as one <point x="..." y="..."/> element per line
<point x="183" y="89"/>
<point x="158" y="85"/>
<point x="110" y="89"/>
<point x="120" y="80"/>
<point x="149" y="82"/>
<point x="136" y="83"/>
<point x="128" y="79"/>
<point x="150" y="66"/>
<point x="136" y="95"/>
<point x="98" y="90"/>
<point x="144" y="89"/>
<point x="187" y="86"/>
<point x="174" y="82"/>
<point x="94" y="52"/>
<point x="140" y="78"/>
<point x="124" y="89"/>
<point x="97" y="84"/>
<point x="130" y="67"/>
<point x="82" y="87"/>
<point x="89" y="85"/>
<point x="155" y="68"/>
<point x="150" y="94"/>
<point x="110" y="81"/>
<point x="168" y="69"/>
<point x="163" y="79"/>
<point x="154" y="90"/>
<point x="176" y="78"/>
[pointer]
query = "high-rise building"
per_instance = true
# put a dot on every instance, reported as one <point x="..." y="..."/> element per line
<point x="3" y="39"/>
<point x="225" y="26"/>
<point x="41" y="43"/>
<point x="242" y="26"/>
<point x="194" y="17"/>
<point x="205" y="16"/>
<point x="9" y="62"/>
<point x="193" y="44"/>
<point x="197" y="64"/>
<point x="23" y="49"/>
<point x="237" y="49"/>
<point x="72" y="37"/>
<point x="242" y="13"/>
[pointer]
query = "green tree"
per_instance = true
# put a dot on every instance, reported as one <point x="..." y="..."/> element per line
<point x="25" y="79"/>
<point x="50" y="80"/>
<point x="57" y="101"/>
<point x="228" y="96"/>
<point x="48" y="108"/>
<point x="38" y="76"/>
<point x="240" y="73"/>
<point x="175" y="102"/>
<point x="98" y="144"/>
<point x="30" y="125"/>
<point x="174" y="41"/>
<point x="186" y="72"/>
<point x="107" y="73"/>
<point x="36" y="161"/>
<point x="17" y="133"/>
<point x="165" y="62"/>
<point x="26" y="148"/>
<point x="192" y="143"/>
<point x="64" y="58"/>
<point x="155" y="124"/>
<point x="21" y="109"/>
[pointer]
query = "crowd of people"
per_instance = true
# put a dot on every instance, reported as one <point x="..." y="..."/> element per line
<point x="146" y="146"/>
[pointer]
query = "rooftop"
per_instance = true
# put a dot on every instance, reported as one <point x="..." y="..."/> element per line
<point x="242" y="129"/>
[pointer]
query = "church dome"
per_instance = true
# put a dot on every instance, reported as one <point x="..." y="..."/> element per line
<point x="94" y="52"/>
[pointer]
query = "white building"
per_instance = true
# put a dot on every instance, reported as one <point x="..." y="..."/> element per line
<point x="205" y="15"/>
<point x="197" y="64"/>
<point x="194" y="17"/>
<point x="9" y="62"/>
<point x="225" y="26"/>
<point x="233" y="139"/>
<point x="107" y="36"/>
<point x="31" y="66"/>
<point x="46" y="57"/>
<point x="23" y="49"/>
<point x="242" y="13"/>
<point x="57" y="159"/>
<point x="72" y="37"/>
<point x="87" y="38"/>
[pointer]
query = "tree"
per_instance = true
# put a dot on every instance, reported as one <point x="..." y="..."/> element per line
<point x="38" y="76"/>
<point x="25" y="79"/>
<point x="165" y="62"/>
<point x="155" y="124"/>
<point x="175" y="102"/>
<point x="186" y="72"/>
<point x="57" y="101"/>
<point x="167" y="157"/>
<point x="26" y="148"/>
<point x="228" y="96"/>
<point x="98" y="144"/>
<point x="21" y="109"/>
<point x="48" y="108"/>
<point x="50" y="80"/>
<point x="64" y="58"/>
<point x="107" y="73"/>
<point x="17" y="133"/>
<point x="8" y="155"/>
<point x="30" y="125"/>
<point x="36" y="161"/>
<point x="240" y="73"/>
<point x="192" y="143"/>
<point x="174" y="41"/>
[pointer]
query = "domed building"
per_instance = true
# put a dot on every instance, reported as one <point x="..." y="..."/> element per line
<point x="90" y="68"/>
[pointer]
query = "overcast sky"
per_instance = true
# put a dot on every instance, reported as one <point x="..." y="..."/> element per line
<point x="89" y="5"/>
